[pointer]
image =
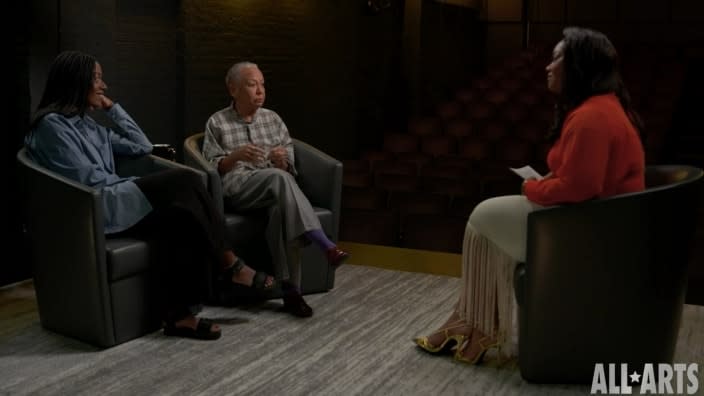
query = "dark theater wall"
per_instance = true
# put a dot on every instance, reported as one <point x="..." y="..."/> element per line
<point x="625" y="21"/>
<point x="15" y="115"/>
<point x="452" y="48"/>
<point x="328" y="65"/>
<point x="139" y="45"/>
<point x="509" y="26"/>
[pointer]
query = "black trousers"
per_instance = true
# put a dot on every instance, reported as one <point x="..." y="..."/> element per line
<point x="186" y="235"/>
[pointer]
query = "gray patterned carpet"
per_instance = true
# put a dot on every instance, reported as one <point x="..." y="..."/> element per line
<point x="358" y="343"/>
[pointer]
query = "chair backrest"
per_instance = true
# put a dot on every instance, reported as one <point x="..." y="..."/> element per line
<point x="604" y="281"/>
<point x="668" y="175"/>
<point x="195" y="142"/>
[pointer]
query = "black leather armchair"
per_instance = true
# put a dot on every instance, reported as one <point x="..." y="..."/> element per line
<point x="320" y="179"/>
<point x="604" y="281"/>
<point x="88" y="286"/>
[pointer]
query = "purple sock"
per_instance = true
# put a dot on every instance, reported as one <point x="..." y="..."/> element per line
<point x="320" y="239"/>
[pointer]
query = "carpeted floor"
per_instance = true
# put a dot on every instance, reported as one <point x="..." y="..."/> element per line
<point x="358" y="343"/>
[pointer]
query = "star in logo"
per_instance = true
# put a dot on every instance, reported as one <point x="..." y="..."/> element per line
<point x="635" y="377"/>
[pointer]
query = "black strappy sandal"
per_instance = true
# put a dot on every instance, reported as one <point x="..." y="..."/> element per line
<point x="203" y="330"/>
<point x="258" y="282"/>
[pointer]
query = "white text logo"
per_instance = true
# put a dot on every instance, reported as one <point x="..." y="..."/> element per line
<point x="667" y="379"/>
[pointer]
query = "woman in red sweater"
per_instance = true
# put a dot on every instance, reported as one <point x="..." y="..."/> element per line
<point x="597" y="152"/>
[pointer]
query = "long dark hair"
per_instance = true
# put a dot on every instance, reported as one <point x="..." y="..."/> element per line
<point x="590" y="67"/>
<point x="67" y="86"/>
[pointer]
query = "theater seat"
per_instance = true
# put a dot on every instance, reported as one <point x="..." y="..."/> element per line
<point x="376" y="227"/>
<point x="424" y="126"/>
<point x="400" y="143"/>
<point x="432" y="232"/>
<point x="459" y="129"/>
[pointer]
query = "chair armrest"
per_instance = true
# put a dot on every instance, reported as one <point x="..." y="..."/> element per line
<point x="192" y="157"/>
<point x="146" y="164"/>
<point x="320" y="179"/>
<point x="164" y="150"/>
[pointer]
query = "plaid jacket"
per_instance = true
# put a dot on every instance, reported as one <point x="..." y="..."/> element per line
<point x="225" y="131"/>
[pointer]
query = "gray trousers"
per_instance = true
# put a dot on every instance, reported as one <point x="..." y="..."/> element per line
<point x="290" y="215"/>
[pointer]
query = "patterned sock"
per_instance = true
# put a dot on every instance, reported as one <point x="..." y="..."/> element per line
<point x="320" y="239"/>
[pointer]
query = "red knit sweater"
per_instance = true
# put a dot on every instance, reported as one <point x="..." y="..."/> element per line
<point x="598" y="154"/>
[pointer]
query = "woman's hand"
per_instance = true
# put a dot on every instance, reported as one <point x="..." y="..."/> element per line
<point x="248" y="153"/>
<point x="279" y="157"/>
<point x="523" y="185"/>
<point x="105" y="102"/>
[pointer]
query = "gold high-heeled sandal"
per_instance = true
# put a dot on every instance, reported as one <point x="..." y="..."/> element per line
<point x="491" y="342"/>
<point x="446" y="344"/>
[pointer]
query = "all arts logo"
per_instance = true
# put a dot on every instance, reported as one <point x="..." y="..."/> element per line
<point x="653" y="379"/>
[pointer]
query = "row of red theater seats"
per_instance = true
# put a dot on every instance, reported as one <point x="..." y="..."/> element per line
<point x="515" y="96"/>
<point x="399" y="166"/>
<point x="426" y="232"/>
<point x="420" y="220"/>
<point x="653" y="68"/>
<point x="509" y="129"/>
<point x="458" y="119"/>
<point x="413" y="202"/>
<point x="475" y="181"/>
<point x="480" y="117"/>
<point x="418" y="212"/>
<point x="649" y="79"/>
<point x="418" y="190"/>
<point x="655" y="79"/>
<point x="492" y="139"/>
<point x="460" y="153"/>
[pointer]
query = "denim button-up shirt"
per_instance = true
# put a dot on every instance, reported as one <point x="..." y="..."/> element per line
<point x="82" y="150"/>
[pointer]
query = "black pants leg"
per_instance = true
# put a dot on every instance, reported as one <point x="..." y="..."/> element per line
<point x="187" y="235"/>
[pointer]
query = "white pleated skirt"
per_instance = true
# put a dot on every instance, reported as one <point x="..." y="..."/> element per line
<point x="494" y="242"/>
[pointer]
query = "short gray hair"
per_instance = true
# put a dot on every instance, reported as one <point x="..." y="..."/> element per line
<point x="233" y="75"/>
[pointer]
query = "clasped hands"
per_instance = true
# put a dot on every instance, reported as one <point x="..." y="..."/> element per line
<point x="253" y="153"/>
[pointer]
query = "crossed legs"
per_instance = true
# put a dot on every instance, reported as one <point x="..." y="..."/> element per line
<point x="291" y="218"/>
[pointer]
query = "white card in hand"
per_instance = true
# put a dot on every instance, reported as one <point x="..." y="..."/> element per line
<point x="527" y="172"/>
